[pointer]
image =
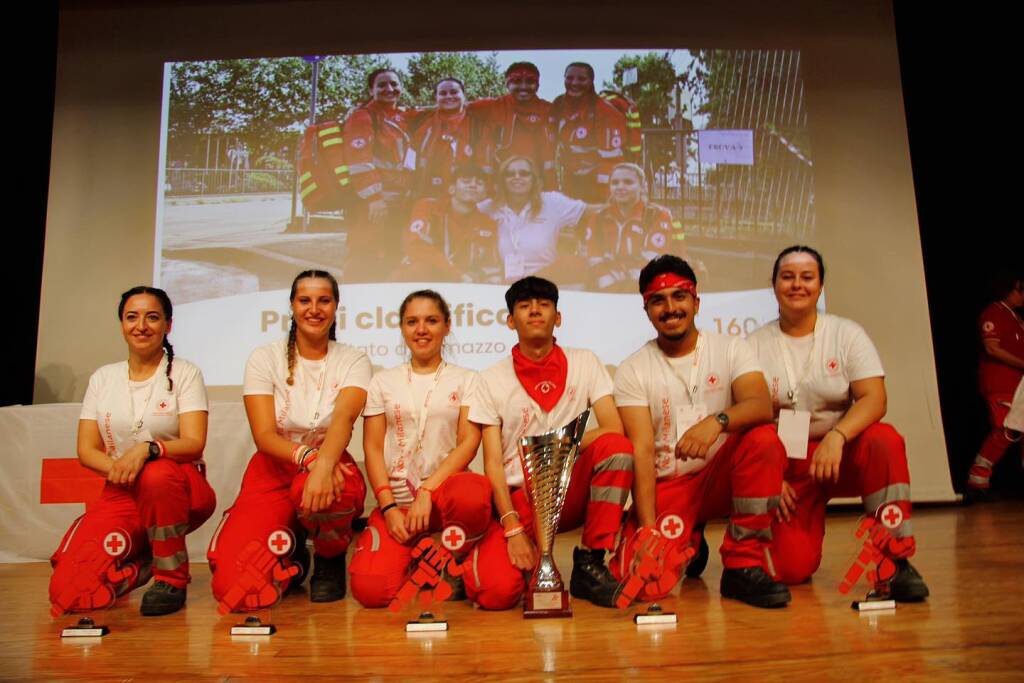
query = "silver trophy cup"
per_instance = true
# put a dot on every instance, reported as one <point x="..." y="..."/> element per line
<point x="547" y="461"/>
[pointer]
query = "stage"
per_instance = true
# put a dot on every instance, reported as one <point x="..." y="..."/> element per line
<point x="972" y="627"/>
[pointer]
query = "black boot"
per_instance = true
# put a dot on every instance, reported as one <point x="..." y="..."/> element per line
<point x="458" y="586"/>
<point x="907" y="585"/>
<point x="162" y="598"/>
<point x="328" y="581"/>
<point x="301" y="558"/>
<point x="700" y="560"/>
<point x="591" y="580"/>
<point x="754" y="587"/>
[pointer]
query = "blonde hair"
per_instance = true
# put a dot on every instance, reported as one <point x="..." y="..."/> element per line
<point x="501" y="192"/>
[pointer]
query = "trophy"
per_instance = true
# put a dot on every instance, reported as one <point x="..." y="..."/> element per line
<point x="547" y="461"/>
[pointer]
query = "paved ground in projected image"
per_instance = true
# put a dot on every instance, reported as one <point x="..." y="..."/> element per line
<point x="225" y="245"/>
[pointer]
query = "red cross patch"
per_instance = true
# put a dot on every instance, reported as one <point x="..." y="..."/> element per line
<point x="453" y="537"/>
<point x="358" y="143"/>
<point x="658" y="240"/>
<point x="453" y="398"/>
<point x="467" y="150"/>
<point x="115" y="544"/>
<point x="671" y="526"/>
<point x="162" y="405"/>
<point x="712" y="380"/>
<point x="988" y="326"/>
<point x="581" y="132"/>
<point x="892" y="516"/>
<point x="417" y="226"/>
<point x="280" y="542"/>
<point x="545" y="386"/>
<point x="832" y="365"/>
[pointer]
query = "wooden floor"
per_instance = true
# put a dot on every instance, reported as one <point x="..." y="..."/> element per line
<point x="971" y="628"/>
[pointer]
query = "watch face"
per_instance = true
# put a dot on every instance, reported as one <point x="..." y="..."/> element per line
<point x="723" y="419"/>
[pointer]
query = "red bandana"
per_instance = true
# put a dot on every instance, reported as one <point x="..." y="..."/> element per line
<point x="543" y="380"/>
<point x="666" y="281"/>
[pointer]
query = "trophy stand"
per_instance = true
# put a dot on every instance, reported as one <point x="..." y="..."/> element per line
<point x="263" y="571"/>
<point x="253" y="626"/>
<point x="426" y="585"/>
<point x="879" y="568"/>
<point x="654" y="615"/>
<point x="85" y="628"/>
<point x="548" y="461"/>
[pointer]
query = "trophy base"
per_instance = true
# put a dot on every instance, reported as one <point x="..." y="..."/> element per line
<point x="85" y="628"/>
<point x="877" y="599"/>
<point x="253" y="627"/>
<point x="426" y="622"/>
<point x="546" y="604"/>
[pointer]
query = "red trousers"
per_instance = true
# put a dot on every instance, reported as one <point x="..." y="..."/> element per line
<point x="742" y="482"/>
<point x="380" y="564"/>
<point x="129" y="531"/>
<point x="601" y="480"/>
<point x="874" y="467"/>
<point x="244" y="560"/>
<point x="994" y="447"/>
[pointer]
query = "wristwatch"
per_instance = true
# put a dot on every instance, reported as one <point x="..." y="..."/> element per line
<point x="723" y="420"/>
<point x="154" y="451"/>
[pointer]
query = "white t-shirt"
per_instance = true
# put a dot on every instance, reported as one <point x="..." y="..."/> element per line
<point x="840" y="353"/>
<point x="400" y="395"/>
<point x="500" y="399"/>
<point x="302" y="411"/>
<point x="647" y="379"/>
<point x="529" y="244"/>
<point x="117" y="404"/>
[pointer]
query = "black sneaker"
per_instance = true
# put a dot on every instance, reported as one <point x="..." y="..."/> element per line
<point x="754" y="587"/>
<point x="700" y="560"/>
<point x="457" y="584"/>
<point x="301" y="558"/>
<point x="591" y="580"/>
<point x="907" y="585"/>
<point x="328" y="581"/>
<point x="975" y="495"/>
<point x="162" y="598"/>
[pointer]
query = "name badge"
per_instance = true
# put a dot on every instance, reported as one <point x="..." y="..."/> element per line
<point x="794" y="428"/>
<point x="515" y="267"/>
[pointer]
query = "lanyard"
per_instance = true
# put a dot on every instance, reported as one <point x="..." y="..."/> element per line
<point x="691" y="385"/>
<point x="321" y="384"/>
<point x="139" y="418"/>
<point x="420" y="415"/>
<point x="794" y="384"/>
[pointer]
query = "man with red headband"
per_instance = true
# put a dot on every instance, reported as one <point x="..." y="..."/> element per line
<point x="540" y="388"/>
<point x="517" y="124"/>
<point x="697" y="408"/>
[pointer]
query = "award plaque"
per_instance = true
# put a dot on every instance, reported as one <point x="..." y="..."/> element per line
<point x="547" y="461"/>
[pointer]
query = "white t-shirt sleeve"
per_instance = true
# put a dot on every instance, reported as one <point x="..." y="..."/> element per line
<point x="568" y="211"/>
<point x="190" y="388"/>
<point x="629" y="390"/>
<point x="743" y="358"/>
<point x="862" y="359"/>
<point x="259" y="373"/>
<point x="89" y="402"/>
<point x="359" y="373"/>
<point x="469" y="387"/>
<point x="482" y="409"/>
<point x="374" y="398"/>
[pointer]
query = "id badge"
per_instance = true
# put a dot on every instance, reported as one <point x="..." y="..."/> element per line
<point x="410" y="159"/>
<point x="687" y="416"/>
<point x="794" y="429"/>
<point x="665" y="462"/>
<point x="515" y="267"/>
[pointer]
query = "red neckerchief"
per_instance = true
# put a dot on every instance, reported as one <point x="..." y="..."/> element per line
<point x="636" y="213"/>
<point x="543" y="380"/>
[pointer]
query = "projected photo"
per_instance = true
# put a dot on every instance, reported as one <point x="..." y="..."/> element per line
<point x="473" y="169"/>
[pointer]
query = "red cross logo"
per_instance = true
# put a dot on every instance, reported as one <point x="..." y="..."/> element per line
<point x="453" y="537"/>
<point x="545" y="386"/>
<point x="115" y="544"/>
<point x="712" y="380"/>
<point x="279" y="542"/>
<point x="988" y="326"/>
<point x="832" y="365"/>
<point x="453" y="398"/>
<point x="163" y="405"/>
<point x="671" y="526"/>
<point x="892" y="516"/>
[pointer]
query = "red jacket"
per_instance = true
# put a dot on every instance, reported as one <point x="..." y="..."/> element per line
<point x="376" y="144"/>
<point x="618" y="246"/>
<point x="591" y="137"/>
<point x="511" y="128"/>
<point x="441" y="142"/>
<point x="450" y="245"/>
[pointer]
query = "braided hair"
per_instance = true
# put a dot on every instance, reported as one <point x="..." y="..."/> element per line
<point x="293" y="353"/>
<point x="165" y="303"/>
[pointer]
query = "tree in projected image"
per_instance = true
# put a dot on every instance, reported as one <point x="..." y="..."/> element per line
<point x="482" y="77"/>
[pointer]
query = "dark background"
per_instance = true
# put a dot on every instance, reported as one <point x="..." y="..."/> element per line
<point x="954" y="85"/>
